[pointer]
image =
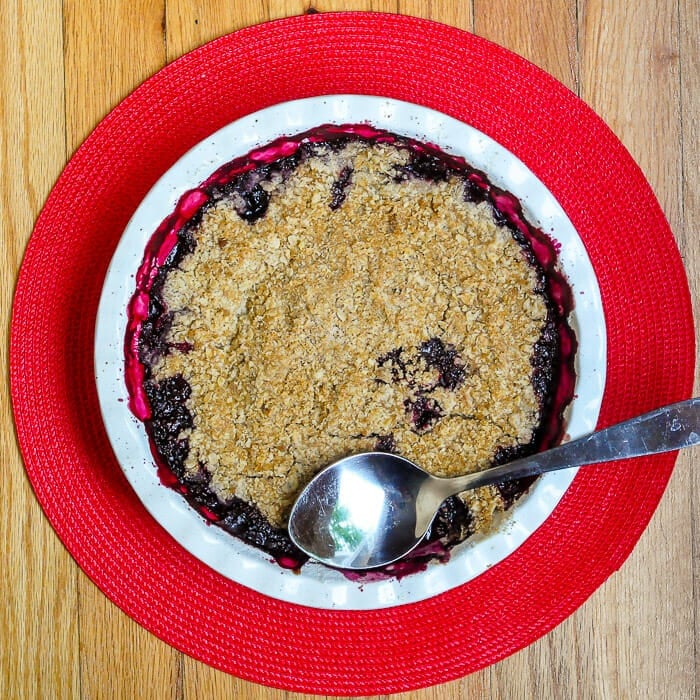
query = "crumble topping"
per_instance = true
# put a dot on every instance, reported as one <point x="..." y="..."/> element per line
<point x="351" y="306"/>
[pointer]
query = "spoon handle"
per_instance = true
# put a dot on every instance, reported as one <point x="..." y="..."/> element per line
<point x="663" y="430"/>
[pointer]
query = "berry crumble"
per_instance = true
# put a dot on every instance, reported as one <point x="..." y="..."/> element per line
<point x="338" y="291"/>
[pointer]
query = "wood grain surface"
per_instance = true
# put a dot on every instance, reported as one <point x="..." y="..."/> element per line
<point x="65" y="63"/>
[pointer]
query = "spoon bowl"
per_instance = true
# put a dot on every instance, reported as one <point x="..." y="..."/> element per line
<point x="360" y="519"/>
<point x="369" y="509"/>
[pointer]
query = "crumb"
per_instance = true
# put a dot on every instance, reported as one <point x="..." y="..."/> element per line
<point x="361" y="306"/>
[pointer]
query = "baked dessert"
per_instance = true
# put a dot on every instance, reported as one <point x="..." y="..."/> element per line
<point x="344" y="290"/>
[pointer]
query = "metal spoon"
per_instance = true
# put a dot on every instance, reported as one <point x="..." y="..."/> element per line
<point x="370" y="509"/>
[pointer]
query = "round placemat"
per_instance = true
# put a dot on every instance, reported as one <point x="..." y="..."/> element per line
<point x="67" y="455"/>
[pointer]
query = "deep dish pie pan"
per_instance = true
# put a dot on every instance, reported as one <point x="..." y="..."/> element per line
<point x="317" y="585"/>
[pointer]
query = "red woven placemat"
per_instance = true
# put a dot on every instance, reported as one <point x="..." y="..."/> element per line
<point x="68" y="458"/>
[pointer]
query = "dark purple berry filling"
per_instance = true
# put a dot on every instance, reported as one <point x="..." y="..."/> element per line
<point x="339" y="188"/>
<point x="446" y="360"/>
<point x="423" y="412"/>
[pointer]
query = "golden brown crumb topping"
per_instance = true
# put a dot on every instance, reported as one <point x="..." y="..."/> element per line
<point x="308" y="328"/>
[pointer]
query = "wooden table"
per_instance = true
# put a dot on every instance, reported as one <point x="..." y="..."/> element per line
<point x="64" y="64"/>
